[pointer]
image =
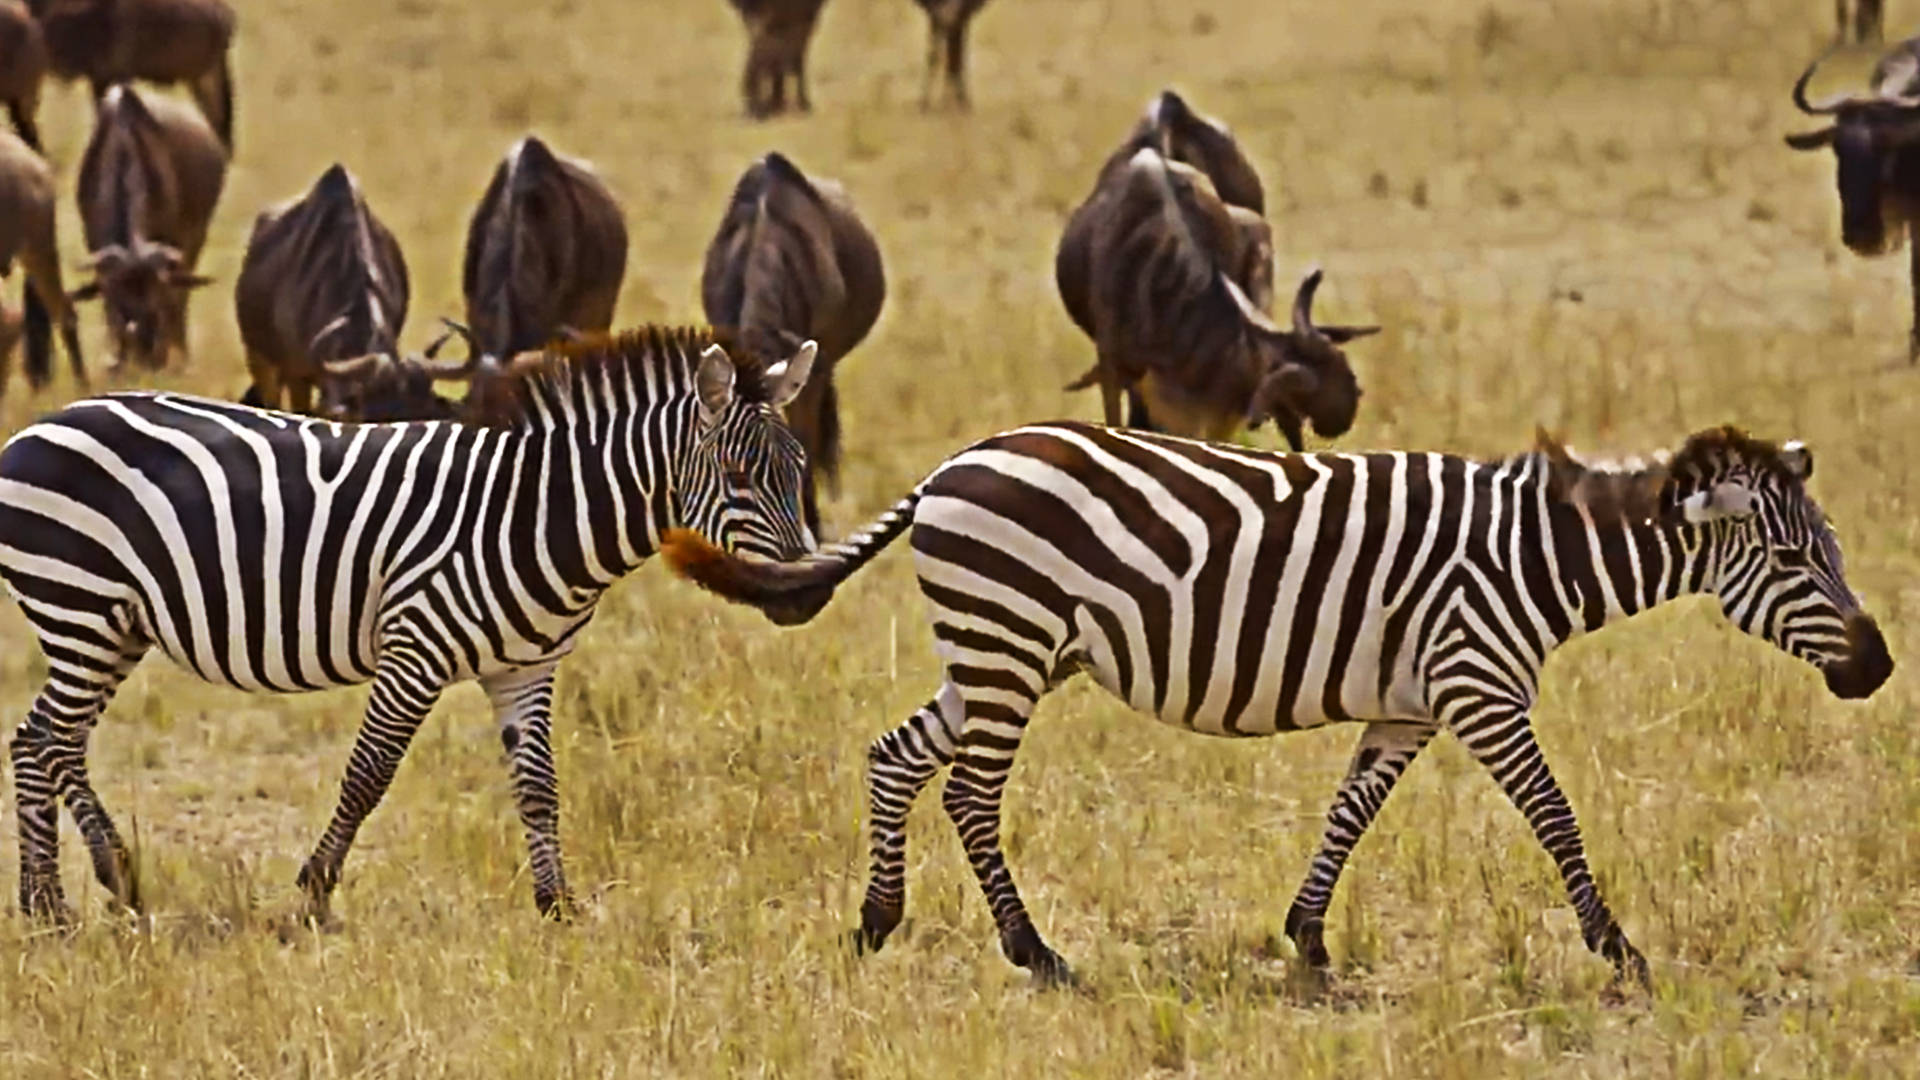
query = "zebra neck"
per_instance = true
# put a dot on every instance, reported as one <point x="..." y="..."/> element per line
<point x="593" y="481"/>
<point x="1613" y="569"/>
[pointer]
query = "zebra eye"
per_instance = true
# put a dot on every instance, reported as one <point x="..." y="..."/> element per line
<point x="738" y="478"/>
<point x="1792" y="558"/>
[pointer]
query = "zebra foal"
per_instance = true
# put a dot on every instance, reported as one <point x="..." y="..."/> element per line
<point x="274" y="552"/>
<point x="1242" y="592"/>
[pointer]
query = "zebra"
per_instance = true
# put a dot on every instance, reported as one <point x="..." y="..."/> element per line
<point x="1241" y="592"/>
<point x="279" y="553"/>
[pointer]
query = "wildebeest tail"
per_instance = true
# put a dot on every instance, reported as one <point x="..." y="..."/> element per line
<point x="223" y="94"/>
<point x="828" y="464"/>
<point x="37" y="326"/>
<point x="788" y="592"/>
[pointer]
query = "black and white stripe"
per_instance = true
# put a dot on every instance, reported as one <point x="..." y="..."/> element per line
<point x="1239" y="592"/>
<point x="271" y="552"/>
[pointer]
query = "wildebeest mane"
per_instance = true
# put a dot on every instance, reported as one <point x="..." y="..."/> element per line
<point x="564" y="366"/>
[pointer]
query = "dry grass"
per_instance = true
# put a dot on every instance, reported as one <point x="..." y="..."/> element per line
<point x="1460" y="169"/>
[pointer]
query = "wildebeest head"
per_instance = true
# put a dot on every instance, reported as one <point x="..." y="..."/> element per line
<point x="1308" y="373"/>
<point x="383" y="386"/>
<point x="1875" y="138"/>
<point x="142" y="287"/>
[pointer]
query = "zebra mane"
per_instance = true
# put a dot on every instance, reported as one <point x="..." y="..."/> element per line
<point x="562" y="366"/>
<point x="1642" y="488"/>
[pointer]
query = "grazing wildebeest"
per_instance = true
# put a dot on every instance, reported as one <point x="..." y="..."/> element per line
<point x="164" y="41"/>
<point x="1875" y="136"/>
<point x="947" y="23"/>
<point x="546" y="251"/>
<point x="1867" y="15"/>
<point x="323" y="280"/>
<point x="27" y="197"/>
<point x="792" y="260"/>
<point x="23" y="65"/>
<point x="149" y="180"/>
<point x="1147" y="267"/>
<point x="778" y="33"/>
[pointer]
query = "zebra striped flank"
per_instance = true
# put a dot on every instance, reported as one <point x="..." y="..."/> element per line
<point x="1241" y="592"/>
<point x="273" y="552"/>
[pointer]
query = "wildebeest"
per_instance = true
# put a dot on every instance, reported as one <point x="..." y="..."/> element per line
<point x="1875" y="136"/>
<point x="165" y="41"/>
<point x="149" y="180"/>
<point x="23" y="65"/>
<point x="546" y="252"/>
<point x="947" y="23"/>
<point x="778" y="33"/>
<point x="1148" y="267"/>
<point x="792" y="260"/>
<point x="1867" y="15"/>
<point x="323" y="280"/>
<point x="27" y="197"/>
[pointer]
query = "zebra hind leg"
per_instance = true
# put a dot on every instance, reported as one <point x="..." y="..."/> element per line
<point x="49" y="748"/>
<point x="1382" y="755"/>
<point x="995" y="720"/>
<point x="406" y="683"/>
<point x="523" y="704"/>
<point x="1499" y="736"/>
<point x="899" y="765"/>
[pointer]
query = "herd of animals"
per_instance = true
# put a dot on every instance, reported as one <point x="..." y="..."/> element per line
<point x="1226" y="590"/>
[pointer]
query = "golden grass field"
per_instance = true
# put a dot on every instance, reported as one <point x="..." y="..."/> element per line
<point x="1575" y="212"/>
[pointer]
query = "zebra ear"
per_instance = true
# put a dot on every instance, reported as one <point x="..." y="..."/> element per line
<point x="785" y="378"/>
<point x="1726" y="500"/>
<point x="1798" y="459"/>
<point x="714" y="381"/>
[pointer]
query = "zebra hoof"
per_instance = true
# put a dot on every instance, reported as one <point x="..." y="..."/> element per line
<point x="1309" y="936"/>
<point x="877" y="923"/>
<point x="558" y="907"/>
<point x="44" y="903"/>
<point x="1050" y="972"/>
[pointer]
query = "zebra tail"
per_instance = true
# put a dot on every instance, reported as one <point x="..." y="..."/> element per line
<point x="790" y="592"/>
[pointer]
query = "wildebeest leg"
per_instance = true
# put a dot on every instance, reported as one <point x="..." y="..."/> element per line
<point x="1866" y="20"/>
<point x="213" y="92"/>
<point x="933" y="64"/>
<point x="1290" y="428"/>
<point x="21" y="111"/>
<point x="1137" y="411"/>
<point x="300" y="396"/>
<point x="38" y="331"/>
<point x="46" y="305"/>
<point x="957" y="63"/>
<point x="1913" y="289"/>
<point x="801" y="100"/>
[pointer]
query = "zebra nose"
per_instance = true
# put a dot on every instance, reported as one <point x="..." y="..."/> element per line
<point x="1867" y="665"/>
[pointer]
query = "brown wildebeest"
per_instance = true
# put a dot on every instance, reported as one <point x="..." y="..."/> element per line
<point x="23" y="65"/>
<point x="1148" y="264"/>
<point x="546" y="252"/>
<point x="149" y="180"/>
<point x="792" y="260"/>
<point x="27" y="198"/>
<point x="1867" y="17"/>
<point x="1875" y="136"/>
<point x="164" y="41"/>
<point x="947" y="23"/>
<point x="322" y="281"/>
<point x="778" y="33"/>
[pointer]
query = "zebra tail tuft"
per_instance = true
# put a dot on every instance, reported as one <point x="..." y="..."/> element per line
<point x="790" y="592"/>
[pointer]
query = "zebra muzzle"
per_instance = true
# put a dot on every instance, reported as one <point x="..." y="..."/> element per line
<point x="1868" y="664"/>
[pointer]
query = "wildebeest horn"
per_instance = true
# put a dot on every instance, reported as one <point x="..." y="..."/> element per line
<point x="437" y="368"/>
<point x="1303" y="303"/>
<point x="1827" y="107"/>
<point x="325" y="332"/>
<point x="352" y="367"/>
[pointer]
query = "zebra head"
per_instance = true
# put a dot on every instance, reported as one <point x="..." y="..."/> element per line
<point x="1778" y="569"/>
<point x="743" y="473"/>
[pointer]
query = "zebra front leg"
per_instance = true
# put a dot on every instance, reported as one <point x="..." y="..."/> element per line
<point x="899" y="764"/>
<point x="1382" y="755"/>
<point x="406" y="684"/>
<point x="995" y="721"/>
<point x="523" y="705"/>
<point x="1500" y="736"/>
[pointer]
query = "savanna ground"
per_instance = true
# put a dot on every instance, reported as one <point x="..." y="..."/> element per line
<point x="1573" y="212"/>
